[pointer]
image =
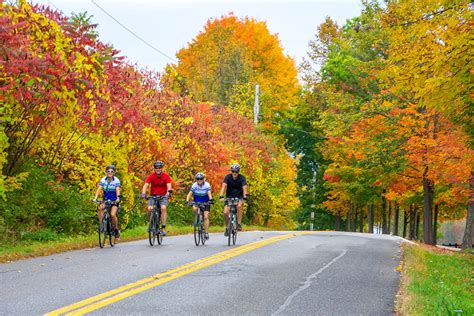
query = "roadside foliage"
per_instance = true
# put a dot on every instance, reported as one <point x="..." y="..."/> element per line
<point x="72" y="105"/>
<point x="392" y="117"/>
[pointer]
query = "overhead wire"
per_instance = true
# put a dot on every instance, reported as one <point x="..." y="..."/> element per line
<point x="133" y="33"/>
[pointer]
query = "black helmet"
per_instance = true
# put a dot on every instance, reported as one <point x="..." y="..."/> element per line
<point x="110" y="167"/>
<point x="235" y="167"/>
<point x="158" y="164"/>
<point x="199" y="176"/>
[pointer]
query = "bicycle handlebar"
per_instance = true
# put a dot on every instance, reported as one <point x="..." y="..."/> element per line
<point x="155" y="197"/>
<point x="200" y="203"/>
<point x="106" y="202"/>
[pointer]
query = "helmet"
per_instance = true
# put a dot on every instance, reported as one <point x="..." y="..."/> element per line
<point x="111" y="167"/>
<point x="235" y="167"/>
<point x="199" y="176"/>
<point x="158" y="164"/>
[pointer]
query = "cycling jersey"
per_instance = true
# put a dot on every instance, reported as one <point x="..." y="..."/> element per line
<point x="109" y="187"/>
<point x="235" y="187"/>
<point x="158" y="183"/>
<point x="200" y="192"/>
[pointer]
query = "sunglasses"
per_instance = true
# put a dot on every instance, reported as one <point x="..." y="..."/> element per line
<point x="235" y="172"/>
<point x="200" y="179"/>
<point x="158" y="168"/>
<point x="110" y="171"/>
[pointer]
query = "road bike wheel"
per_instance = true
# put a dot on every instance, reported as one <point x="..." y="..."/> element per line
<point x="201" y="229"/>
<point x="102" y="232"/>
<point x="110" y="232"/>
<point x="229" y="229"/>
<point x="197" y="234"/>
<point x="152" y="229"/>
<point x="159" y="236"/>
<point x="234" y="231"/>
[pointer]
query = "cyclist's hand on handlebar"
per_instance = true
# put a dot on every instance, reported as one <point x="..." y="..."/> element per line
<point x="221" y="197"/>
<point x="142" y="195"/>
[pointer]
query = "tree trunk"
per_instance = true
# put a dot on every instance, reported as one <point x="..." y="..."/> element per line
<point x="395" y="219"/>
<point x="384" y="214"/>
<point x="370" y="218"/>
<point x="389" y="217"/>
<point x="417" y="226"/>
<point x="354" y="220"/>
<point x="412" y="222"/>
<point x="338" y="221"/>
<point x="468" y="238"/>
<point x="405" y="222"/>
<point x="435" y="224"/>
<point x="428" y="190"/>
<point x="348" y="221"/>
<point x="361" y="220"/>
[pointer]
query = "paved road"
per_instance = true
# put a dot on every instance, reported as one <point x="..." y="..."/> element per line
<point x="266" y="273"/>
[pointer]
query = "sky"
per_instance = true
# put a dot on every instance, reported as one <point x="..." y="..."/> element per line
<point x="166" y="26"/>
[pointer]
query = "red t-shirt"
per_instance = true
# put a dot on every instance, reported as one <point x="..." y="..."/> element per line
<point x="158" y="183"/>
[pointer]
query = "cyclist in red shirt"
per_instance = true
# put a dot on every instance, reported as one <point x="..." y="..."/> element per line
<point x="160" y="184"/>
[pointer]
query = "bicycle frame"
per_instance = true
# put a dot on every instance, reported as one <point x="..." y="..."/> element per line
<point x="232" y="225"/>
<point x="154" y="232"/>
<point x="199" y="221"/>
<point x="106" y="220"/>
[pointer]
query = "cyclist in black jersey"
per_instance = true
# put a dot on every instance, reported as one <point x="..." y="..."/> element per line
<point x="234" y="186"/>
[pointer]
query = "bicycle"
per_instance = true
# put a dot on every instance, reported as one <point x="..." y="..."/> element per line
<point x="106" y="228"/>
<point x="154" y="231"/>
<point x="232" y="225"/>
<point x="199" y="221"/>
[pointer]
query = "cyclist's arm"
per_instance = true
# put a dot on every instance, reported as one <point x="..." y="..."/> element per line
<point x="145" y="188"/>
<point x="117" y="191"/>
<point x="224" y="187"/>
<point x="209" y="194"/>
<point x="98" y="192"/>
<point x="189" y="196"/>
<point x="168" y="185"/>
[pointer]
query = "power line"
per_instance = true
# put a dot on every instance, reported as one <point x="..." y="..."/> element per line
<point x="133" y="33"/>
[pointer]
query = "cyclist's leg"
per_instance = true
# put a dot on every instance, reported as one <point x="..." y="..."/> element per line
<point x="164" y="207"/>
<point x="100" y="214"/>
<point x="113" y="214"/>
<point x="226" y="219"/>
<point x="206" y="219"/>
<point x="226" y="214"/>
<point x="239" y="212"/>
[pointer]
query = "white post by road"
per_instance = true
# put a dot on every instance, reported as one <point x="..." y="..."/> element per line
<point x="312" y="220"/>
<point x="256" y="107"/>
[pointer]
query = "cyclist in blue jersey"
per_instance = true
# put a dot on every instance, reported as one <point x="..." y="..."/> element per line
<point x="201" y="190"/>
<point x="110" y="187"/>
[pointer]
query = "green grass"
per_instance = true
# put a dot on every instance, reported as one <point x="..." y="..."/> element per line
<point x="436" y="282"/>
<point x="28" y="248"/>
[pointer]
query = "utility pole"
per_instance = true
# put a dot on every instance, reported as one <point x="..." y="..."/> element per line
<point x="256" y="107"/>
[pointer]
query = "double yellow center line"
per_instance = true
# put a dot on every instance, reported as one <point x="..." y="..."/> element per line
<point x="120" y="293"/>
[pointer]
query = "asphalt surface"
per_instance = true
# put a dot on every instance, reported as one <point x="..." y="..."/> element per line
<point x="323" y="273"/>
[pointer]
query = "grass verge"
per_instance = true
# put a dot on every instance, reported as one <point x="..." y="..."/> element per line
<point x="435" y="282"/>
<point x="30" y="249"/>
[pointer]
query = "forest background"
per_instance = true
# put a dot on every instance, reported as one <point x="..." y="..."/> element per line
<point x="378" y="130"/>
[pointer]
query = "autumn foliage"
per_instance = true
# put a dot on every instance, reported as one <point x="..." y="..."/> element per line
<point x="73" y="105"/>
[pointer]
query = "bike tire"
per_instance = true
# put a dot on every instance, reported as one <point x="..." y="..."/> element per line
<point x="111" y="233"/>
<point x="229" y="229"/>
<point x="234" y="231"/>
<point x="159" y="236"/>
<point x="197" y="234"/>
<point x="152" y="229"/>
<point x="201" y="229"/>
<point x="102" y="232"/>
